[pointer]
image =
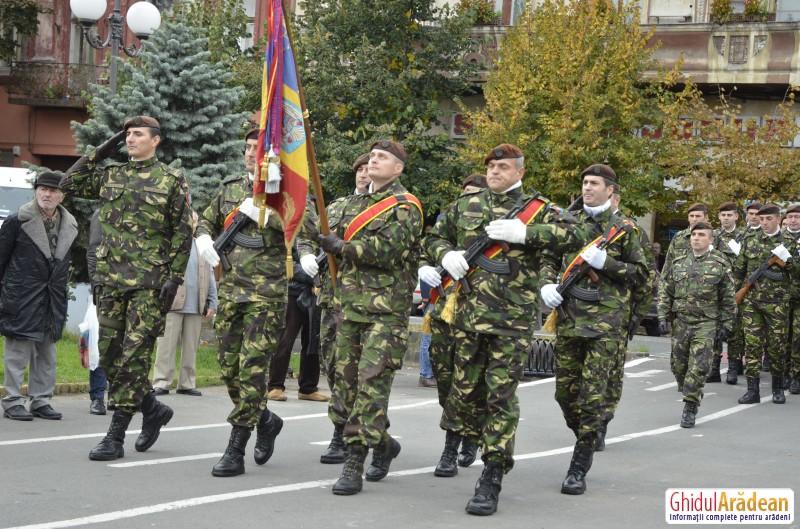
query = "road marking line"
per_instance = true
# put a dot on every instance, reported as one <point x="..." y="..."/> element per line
<point x="148" y="462"/>
<point x="306" y="485"/>
<point x="638" y="361"/>
<point x="668" y="385"/>
<point x="644" y="374"/>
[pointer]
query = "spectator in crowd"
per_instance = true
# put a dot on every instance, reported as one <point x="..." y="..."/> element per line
<point x="195" y="299"/>
<point x="35" y="247"/>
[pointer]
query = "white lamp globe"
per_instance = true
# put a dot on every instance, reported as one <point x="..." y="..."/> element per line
<point x="143" y="19"/>
<point x="89" y="10"/>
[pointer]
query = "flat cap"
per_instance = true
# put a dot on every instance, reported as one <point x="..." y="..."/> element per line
<point x="392" y="147"/>
<point x="475" y="179"/>
<point x="728" y="206"/>
<point x="794" y="208"/>
<point x="702" y="226"/>
<point x="362" y="160"/>
<point x="141" y="121"/>
<point x="769" y="209"/>
<point x="504" y="150"/>
<point x="49" y="179"/>
<point x="754" y="205"/>
<point x="698" y="206"/>
<point x="602" y="170"/>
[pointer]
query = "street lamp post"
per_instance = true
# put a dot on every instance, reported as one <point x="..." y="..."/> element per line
<point x="143" y="19"/>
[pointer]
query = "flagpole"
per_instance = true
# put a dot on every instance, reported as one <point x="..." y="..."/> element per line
<point x="312" y="156"/>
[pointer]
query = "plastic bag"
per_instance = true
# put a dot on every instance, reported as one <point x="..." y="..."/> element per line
<point x="88" y="342"/>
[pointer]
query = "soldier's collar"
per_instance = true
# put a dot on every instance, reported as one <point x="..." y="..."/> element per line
<point x="777" y="232"/>
<point x="143" y="164"/>
<point x="731" y="230"/>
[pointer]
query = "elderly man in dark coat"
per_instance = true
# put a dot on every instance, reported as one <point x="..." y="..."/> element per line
<point x="34" y="268"/>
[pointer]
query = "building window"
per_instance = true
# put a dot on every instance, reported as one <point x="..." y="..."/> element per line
<point x="738" y="50"/>
<point x="249" y="10"/>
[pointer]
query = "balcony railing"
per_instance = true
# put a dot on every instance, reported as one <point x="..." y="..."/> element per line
<point x="52" y="84"/>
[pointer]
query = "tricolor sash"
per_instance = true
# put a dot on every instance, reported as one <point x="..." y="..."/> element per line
<point x="377" y="209"/>
<point x="614" y="234"/>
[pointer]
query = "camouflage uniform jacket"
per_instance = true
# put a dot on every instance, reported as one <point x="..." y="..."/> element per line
<point x="255" y="274"/>
<point x="642" y="295"/>
<point x="698" y="289"/>
<point x="378" y="265"/>
<point x="756" y="250"/>
<point x="498" y="304"/>
<point x="679" y="245"/>
<point x="794" y="287"/>
<point x="625" y="270"/>
<point x="722" y="238"/>
<point x="145" y="221"/>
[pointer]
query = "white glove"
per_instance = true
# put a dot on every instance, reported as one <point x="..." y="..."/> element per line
<point x="429" y="276"/>
<point x="509" y="230"/>
<point x="550" y="295"/>
<point x="455" y="264"/>
<point x="205" y="248"/>
<point x="734" y="246"/>
<point x="781" y="253"/>
<point x="595" y="257"/>
<point x="248" y="208"/>
<point x="309" y="265"/>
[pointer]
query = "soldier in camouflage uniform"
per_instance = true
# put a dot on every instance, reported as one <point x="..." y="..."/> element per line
<point x="146" y="228"/>
<point x="697" y="296"/>
<point x="442" y="350"/>
<point x="251" y="313"/>
<point x="641" y="300"/>
<point x="594" y="324"/>
<point x="373" y="286"/>
<point x="792" y="370"/>
<point x="765" y="310"/>
<point x="492" y="322"/>
<point x="728" y="240"/>
<point x="331" y="309"/>
<point x="679" y="244"/>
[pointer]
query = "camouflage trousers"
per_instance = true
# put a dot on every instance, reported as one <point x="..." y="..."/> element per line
<point x="614" y="385"/>
<point x="442" y="350"/>
<point x="765" y="327"/>
<point x="367" y="356"/>
<point x="130" y="322"/>
<point x="248" y="338"/>
<point x="792" y="368"/>
<point x="692" y="346"/>
<point x="329" y="324"/>
<point x="583" y="368"/>
<point x="482" y="403"/>
<point x="736" y="340"/>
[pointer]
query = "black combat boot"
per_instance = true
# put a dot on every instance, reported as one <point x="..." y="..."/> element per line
<point x="350" y="481"/>
<point x="713" y="374"/>
<point x="469" y="451"/>
<point x="575" y="482"/>
<point x="110" y="448"/>
<point x="487" y="490"/>
<point x="448" y="467"/>
<point x="689" y="414"/>
<point x="337" y="449"/>
<point x="600" y="443"/>
<point x="753" y="395"/>
<point x="794" y="387"/>
<point x="156" y="414"/>
<point x="232" y="461"/>
<point x="733" y="372"/>
<point x="777" y="390"/>
<point x="382" y="456"/>
<point x="269" y="426"/>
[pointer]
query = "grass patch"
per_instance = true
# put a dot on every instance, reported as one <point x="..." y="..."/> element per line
<point x="70" y="371"/>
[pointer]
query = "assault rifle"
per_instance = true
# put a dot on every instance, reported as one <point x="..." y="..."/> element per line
<point x="582" y="269"/>
<point x="474" y="256"/>
<point x="224" y="243"/>
<point x="752" y="281"/>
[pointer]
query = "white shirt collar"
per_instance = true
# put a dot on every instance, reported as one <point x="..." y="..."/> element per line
<point x="593" y="211"/>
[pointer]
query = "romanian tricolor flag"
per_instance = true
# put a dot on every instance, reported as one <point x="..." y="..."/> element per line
<point x="281" y="181"/>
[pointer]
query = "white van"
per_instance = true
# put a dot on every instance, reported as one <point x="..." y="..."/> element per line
<point x="16" y="189"/>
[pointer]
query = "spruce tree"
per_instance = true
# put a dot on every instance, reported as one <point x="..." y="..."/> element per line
<point x="174" y="81"/>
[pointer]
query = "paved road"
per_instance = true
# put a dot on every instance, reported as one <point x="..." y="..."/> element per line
<point x="49" y="481"/>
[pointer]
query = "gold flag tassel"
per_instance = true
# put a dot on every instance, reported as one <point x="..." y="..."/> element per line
<point x="426" y="323"/>
<point x="550" y="323"/>
<point x="260" y="199"/>
<point x="449" y="309"/>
